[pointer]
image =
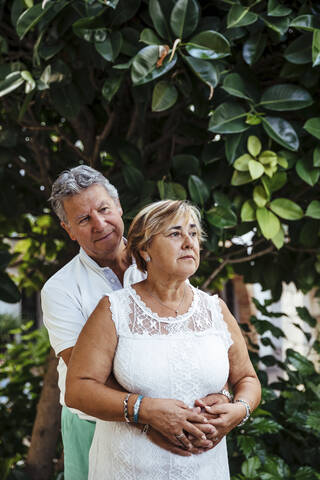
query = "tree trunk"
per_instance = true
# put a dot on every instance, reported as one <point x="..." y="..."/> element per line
<point x="46" y="427"/>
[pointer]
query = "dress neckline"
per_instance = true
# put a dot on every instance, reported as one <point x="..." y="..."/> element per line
<point x="151" y="313"/>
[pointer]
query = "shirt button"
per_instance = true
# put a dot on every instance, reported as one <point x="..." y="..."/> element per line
<point x="112" y="280"/>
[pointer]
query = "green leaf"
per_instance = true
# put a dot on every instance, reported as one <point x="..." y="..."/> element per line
<point x="66" y="100"/>
<point x="198" y="190"/>
<point x="313" y="210"/>
<point x="159" y="18"/>
<point x="248" y="211"/>
<point x="256" y="169"/>
<point x="208" y="45"/>
<point x="304" y="314"/>
<point x="306" y="172"/>
<point x="280" y="25"/>
<point x="110" y="48"/>
<point x="316" y="48"/>
<point x="221" y="217"/>
<point x="11" y="82"/>
<point x="171" y="190"/>
<point x="185" y="164"/>
<point x="286" y="97"/>
<point x="316" y="157"/>
<point x="313" y="126"/>
<point x="133" y="178"/>
<point x="184" y="18"/>
<point x="268" y="223"/>
<point x="250" y="467"/>
<point x="204" y="70"/>
<point x="301" y="363"/>
<point x="299" y="51"/>
<point x="281" y="132"/>
<point x="164" y="96"/>
<point x="9" y="292"/>
<point x="254" y="145"/>
<point x="260" y="196"/>
<point x="253" y="48"/>
<point x="240" y="16"/>
<point x="278" y="240"/>
<point x="275" y="9"/>
<point x="232" y="145"/>
<point x="228" y="118"/>
<point x="236" y="86"/>
<point x="275" y="183"/>
<point x="144" y="66"/>
<point x="111" y="86"/>
<point x="240" y="178"/>
<point x="242" y="163"/>
<point x="149" y="37"/>
<point x="306" y="22"/>
<point x="286" y="209"/>
<point x="29" y="18"/>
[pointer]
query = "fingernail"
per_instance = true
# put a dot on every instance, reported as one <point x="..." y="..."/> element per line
<point x="210" y="444"/>
<point x="204" y="437"/>
<point x="204" y="419"/>
<point x="208" y="409"/>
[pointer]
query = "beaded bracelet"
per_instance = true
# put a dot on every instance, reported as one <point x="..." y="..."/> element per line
<point x="227" y="394"/>
<point x="125" y="408"/>
<point x="248" y="411"/>
<point x="136" y="408"/>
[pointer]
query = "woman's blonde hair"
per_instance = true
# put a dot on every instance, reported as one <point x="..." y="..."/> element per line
<point x="154" y="219"/>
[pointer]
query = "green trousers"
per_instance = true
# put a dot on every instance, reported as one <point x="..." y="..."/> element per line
<point x="77" y="436"/>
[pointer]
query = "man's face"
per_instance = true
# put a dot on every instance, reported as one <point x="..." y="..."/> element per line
<point x="95" y="222"/>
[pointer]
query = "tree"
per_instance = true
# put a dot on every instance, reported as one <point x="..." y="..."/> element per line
<point x="211" y="101"/>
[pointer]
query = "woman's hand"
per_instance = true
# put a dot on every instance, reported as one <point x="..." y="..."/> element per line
<point x="223" y="417"/>
<point x="173" y="419"/>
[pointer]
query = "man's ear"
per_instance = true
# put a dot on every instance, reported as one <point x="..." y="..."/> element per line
<point x="68" y="229"/>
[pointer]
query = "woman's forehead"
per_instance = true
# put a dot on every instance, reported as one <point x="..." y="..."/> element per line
<point x="181" y="220"/>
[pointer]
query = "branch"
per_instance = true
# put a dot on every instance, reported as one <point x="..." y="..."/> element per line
<point x="100" y="138"/>
<point x="133" y="123"/>
<point x="72" y="146"/>
<point x="229" y="261"/>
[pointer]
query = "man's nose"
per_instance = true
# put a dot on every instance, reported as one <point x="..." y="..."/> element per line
<point x="97" y="222"/>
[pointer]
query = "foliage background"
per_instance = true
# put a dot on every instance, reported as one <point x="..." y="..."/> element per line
<point x="215" y="101"/>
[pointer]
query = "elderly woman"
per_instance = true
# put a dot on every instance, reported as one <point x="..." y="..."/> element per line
<point x="163" y="340"/>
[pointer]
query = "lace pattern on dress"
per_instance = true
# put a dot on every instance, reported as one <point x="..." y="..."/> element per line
<point x="134" y="318"/>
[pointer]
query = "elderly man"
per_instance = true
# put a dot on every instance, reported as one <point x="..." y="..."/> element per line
<point x="89" y="210"/>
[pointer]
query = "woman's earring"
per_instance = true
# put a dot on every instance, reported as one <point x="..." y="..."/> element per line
<point x="148" y="259"/>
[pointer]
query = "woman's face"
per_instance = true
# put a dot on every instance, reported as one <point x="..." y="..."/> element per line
<point x="175" y="251"/>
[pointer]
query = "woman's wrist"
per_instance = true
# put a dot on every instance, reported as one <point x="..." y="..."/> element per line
<point x="245" y="408"/>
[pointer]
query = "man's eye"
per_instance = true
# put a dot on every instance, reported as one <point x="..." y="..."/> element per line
<point x="83" y="220"/>
<point x="103" y="209"/>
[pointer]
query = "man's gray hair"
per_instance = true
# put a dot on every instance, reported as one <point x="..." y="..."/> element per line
<point x="73" y="181"/>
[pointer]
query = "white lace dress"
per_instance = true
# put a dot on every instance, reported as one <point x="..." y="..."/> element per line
<point x="183" y="358"/>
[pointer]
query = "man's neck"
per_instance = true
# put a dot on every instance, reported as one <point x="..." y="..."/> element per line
<point x="119" y="262"/>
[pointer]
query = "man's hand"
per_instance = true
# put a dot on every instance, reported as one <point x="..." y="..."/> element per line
<point x="164" y="443"/>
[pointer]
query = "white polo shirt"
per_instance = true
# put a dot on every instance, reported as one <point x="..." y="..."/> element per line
<point x="68" y="299"/>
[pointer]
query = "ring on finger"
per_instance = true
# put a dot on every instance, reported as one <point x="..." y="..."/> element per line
<point x="180" y="436"/>
<point x="215" y="439"/>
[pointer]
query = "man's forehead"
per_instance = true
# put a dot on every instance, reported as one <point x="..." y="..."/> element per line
<point x="87" y="199"/>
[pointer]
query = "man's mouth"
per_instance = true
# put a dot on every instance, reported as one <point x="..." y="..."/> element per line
<point x="104" y="237"/>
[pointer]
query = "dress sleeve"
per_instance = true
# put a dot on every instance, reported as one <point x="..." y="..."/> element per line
<point x="219" y="322"/>
<point x="62" y="316"/>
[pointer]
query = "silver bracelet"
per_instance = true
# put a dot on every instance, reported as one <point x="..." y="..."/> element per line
<point x="248" y="410"/>
<point x="227" y="394"/>
<point x="125" y="408"/>
<point x="136" y="408"/>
